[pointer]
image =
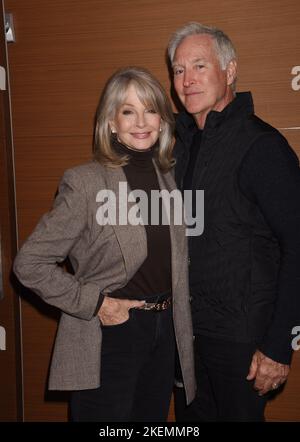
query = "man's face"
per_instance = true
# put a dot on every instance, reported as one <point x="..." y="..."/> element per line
<point x="199" y="81"/>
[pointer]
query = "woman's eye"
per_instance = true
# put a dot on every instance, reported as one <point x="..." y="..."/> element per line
<point x="151" y="111"/>
<point x="126" y="112"/>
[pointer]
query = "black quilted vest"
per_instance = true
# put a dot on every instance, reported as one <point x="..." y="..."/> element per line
<point x="234" y="264"/>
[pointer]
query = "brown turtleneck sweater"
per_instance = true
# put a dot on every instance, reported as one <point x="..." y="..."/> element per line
<point x="154" y="275"/>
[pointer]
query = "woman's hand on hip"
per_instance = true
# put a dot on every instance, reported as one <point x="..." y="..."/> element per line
<point x="114" y="311"/>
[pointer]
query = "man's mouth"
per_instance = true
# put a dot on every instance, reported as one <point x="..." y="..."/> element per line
<point x="193" y="93"/>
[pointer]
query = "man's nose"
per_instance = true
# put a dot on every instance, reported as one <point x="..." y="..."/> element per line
<point x="188" y="78"/>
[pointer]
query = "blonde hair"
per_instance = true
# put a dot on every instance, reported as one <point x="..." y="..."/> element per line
<point x="151" y="93"/>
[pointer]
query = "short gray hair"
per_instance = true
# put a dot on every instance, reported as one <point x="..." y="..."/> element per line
<point x="224" y="48"/>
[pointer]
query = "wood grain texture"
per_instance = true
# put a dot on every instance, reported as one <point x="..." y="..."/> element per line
<point x="10" y="358"/>
<point x="64" y="53"/>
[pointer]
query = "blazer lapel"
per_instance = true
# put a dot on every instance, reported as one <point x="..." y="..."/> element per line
<point x="177" y="232"/>
<point x="132" y="239"/>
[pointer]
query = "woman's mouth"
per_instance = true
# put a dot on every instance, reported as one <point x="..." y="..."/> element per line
<point x="141" y="135"/>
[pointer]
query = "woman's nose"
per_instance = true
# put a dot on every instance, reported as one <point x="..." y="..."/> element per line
<point x="140" y="120"/>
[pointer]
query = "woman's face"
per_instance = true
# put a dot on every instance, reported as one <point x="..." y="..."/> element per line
<point x="136" y="126"/>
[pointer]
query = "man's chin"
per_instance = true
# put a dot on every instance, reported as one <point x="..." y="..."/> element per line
<point x="192" y="109"/>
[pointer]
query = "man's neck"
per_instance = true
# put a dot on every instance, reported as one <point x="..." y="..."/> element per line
<point x="200" y="118"/>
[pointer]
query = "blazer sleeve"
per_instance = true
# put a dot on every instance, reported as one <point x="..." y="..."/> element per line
<point x="36" y="264"/>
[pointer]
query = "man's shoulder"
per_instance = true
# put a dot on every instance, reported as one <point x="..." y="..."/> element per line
<point x="267" y="143"/>
<point x="260" y="126"/>
<point x="256" y="128"/>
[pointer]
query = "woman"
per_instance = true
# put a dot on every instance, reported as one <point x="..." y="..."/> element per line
<point x="115" y="343"/>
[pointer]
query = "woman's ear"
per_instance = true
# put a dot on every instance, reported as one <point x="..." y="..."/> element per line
<point x="112" y="127"/>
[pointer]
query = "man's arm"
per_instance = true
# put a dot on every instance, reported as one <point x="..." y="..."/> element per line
<point x="270" y="177"/>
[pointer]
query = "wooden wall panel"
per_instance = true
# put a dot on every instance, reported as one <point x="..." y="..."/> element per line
<point x="293" y="137"/>
<point x="10" y="350"/>
<point x="65" y="51"/>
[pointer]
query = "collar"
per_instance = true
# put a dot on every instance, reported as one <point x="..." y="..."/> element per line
<point x="239" y="107"/>
<point x="137" y="158"/>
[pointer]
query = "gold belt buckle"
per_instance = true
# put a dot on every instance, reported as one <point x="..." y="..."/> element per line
<point x="157" y="306"/>
<point x="163" y="305"/>
<point x="148" y="306"/>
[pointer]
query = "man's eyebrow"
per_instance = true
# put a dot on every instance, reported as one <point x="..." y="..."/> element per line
<point x="194" y="60"/>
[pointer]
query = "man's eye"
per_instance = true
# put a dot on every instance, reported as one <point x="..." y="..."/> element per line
<point x="178" y="71"/>
<point x="200" y="66"/>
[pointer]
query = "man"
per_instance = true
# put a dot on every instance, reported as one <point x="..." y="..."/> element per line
<point x="244" y="268"/>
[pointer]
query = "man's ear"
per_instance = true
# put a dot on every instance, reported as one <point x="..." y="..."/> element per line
<point x="231" y="72"/>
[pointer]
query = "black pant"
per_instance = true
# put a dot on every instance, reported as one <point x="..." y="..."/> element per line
<point x="137" y="372"/>
<point x="223" y="392"/>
